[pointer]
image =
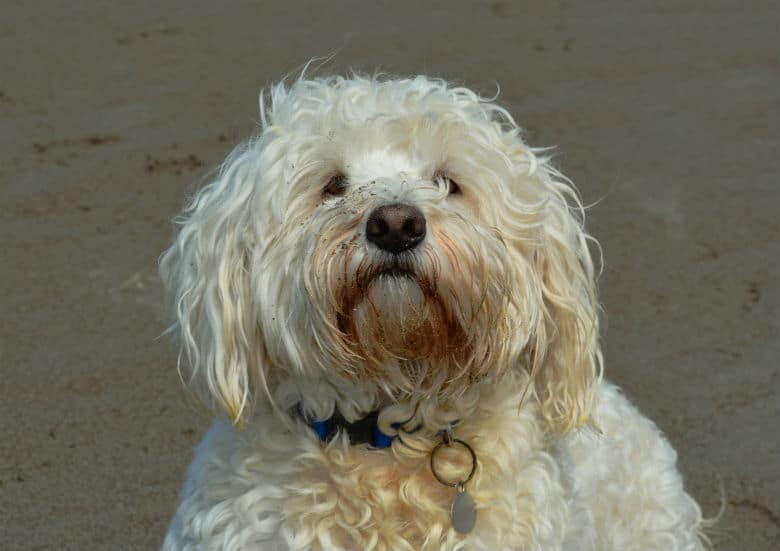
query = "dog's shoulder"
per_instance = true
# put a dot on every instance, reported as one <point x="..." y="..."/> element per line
<point x="623" y="479"/>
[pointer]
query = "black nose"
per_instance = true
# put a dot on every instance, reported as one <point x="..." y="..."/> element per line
<point x="396" y="228"/>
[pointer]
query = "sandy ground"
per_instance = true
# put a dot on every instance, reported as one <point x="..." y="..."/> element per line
<point x="667" y="118"/>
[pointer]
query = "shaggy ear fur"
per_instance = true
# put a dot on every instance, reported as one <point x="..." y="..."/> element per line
<point x="566" y="359"/>
<point x="206" y="274"/>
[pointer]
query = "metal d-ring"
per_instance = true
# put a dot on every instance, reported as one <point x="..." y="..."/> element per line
<point x="450" y="442"/>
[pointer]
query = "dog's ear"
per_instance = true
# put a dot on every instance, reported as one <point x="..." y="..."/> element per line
<point x="206" y="272"/>
<point x="565" y="355"/>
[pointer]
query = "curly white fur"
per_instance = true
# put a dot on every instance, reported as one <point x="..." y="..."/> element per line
<point x="280" y="304"/>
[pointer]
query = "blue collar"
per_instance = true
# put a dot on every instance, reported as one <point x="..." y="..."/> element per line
<point x="363" y="431"/>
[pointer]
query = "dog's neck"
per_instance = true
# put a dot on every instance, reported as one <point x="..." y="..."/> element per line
<point x="365" y="412"/>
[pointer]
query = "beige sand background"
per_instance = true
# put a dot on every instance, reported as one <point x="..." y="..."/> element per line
<point x="666" y="116"/>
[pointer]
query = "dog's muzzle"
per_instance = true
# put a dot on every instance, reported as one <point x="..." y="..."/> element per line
<point x="396" y="228"/>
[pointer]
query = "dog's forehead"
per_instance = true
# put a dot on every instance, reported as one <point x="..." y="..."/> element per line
<point x="387" y="163"/>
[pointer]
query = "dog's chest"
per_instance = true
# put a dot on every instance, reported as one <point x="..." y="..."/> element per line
<point x="365" y="495"/>
<point x="352" y="497"/>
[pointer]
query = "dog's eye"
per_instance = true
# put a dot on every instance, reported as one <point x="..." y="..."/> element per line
<point x="337" y="185"/>
<point x="452" y="186"/>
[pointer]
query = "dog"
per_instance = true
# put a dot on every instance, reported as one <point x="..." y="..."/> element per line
<point x="390" y="300"/>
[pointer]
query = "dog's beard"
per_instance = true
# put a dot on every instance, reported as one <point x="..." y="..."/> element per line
<point x="438" y="319"/>
<point x="395" y="314"/>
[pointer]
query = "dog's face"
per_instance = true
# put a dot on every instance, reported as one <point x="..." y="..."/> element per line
<point x="395" y="233"/>
<point x="386" y="254"/>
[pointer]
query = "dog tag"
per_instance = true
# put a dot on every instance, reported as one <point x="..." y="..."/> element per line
<point x="463" y="512"/>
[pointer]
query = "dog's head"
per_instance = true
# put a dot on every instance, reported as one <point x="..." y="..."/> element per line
<point x="398" y="233"/>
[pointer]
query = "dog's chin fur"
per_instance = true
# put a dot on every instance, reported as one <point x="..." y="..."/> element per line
<point x="286" y="311"/>
<point x="414" y="321"/>
<point x="400" y="317"/>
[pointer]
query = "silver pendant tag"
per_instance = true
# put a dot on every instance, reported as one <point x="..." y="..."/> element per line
<point x="463" y="512"/>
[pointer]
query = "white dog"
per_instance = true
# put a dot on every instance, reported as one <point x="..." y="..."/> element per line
<point x="391" y="297"/>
